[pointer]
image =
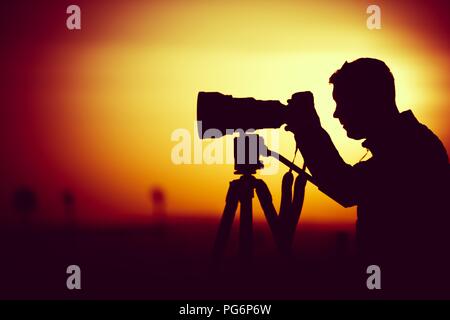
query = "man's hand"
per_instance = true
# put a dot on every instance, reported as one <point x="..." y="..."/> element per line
<point x="303" y="115"/>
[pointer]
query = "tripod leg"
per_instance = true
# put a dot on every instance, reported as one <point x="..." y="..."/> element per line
<point x="285" y="217"/>
<point x="265" y="198"/>
<point x="226" y="222"/>
<point x="297" y="205"/>
<point x="286" y="195"/>
<point x="246" y="219"/>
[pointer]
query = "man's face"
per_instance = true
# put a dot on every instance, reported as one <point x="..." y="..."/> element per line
<point x="350" y="112"/>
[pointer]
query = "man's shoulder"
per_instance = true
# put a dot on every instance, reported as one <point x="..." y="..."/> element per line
<point x="421" y="140"/>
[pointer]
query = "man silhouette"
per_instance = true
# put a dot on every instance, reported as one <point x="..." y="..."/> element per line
<point x="401" y="192"/>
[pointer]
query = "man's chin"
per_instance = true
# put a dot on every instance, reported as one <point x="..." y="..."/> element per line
<point x="355" y="135"/>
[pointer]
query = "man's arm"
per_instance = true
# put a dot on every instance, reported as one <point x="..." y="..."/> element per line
<point x="335" y="178"/>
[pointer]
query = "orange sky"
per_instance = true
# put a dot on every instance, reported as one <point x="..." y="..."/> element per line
<point x="112" y="95"/>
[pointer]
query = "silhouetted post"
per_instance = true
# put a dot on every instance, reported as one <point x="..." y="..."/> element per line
<point x="25" y="203"/>
<point x="69" y="207"/>
<point x="342" y="240"/>
<point x="158" y="200"/>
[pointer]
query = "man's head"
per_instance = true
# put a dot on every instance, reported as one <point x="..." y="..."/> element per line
<point x="364" y="92"/>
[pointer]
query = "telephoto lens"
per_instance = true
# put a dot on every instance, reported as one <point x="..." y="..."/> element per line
<point x="222" y="112"/>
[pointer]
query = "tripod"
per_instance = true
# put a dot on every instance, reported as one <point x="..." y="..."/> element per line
<point x="241" y="191"/>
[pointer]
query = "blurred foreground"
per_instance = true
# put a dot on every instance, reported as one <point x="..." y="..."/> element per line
<point x="171" y="260"/>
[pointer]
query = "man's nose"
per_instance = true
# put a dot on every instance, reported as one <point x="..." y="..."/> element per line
<point x="336" y="113"/>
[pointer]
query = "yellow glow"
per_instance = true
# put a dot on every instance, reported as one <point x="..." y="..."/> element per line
<point x="119" y="96"/>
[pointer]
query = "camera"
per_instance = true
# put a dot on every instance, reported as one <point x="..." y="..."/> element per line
<point x="227" y="113"/>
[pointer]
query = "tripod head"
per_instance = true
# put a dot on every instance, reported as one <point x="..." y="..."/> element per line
<point x="247" y="149"/>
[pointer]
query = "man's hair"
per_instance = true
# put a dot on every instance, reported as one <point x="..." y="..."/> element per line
<point x="367" y="77"/>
